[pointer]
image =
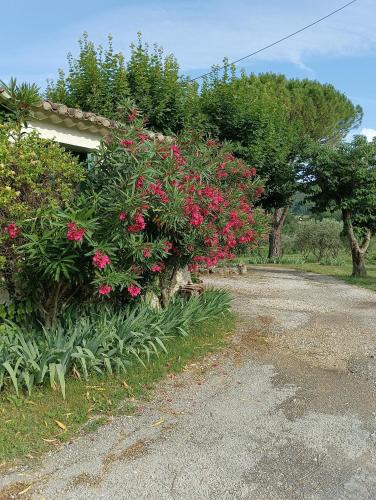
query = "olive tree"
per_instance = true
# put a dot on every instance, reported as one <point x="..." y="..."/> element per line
<point x="343" y="177"/>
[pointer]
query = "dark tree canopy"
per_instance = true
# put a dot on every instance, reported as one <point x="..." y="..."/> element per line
<point x="271" y="119"/>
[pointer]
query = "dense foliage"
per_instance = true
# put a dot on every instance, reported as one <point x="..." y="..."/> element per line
<point x="318" y="238"/>
<point x="343" y="178"/>
<point x="37" y="176"/>
<point x="270" y="120"/>
<point x="147" y="209"/>
<point x="35" y="173"/>
<point x="98" y="340"/>
<point x="100" y="80"/>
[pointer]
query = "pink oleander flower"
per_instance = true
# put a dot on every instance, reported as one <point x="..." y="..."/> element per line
<point x="127" y="143"/>
<point x="133" y="114"/>
<point x="146" y="253"/>
<point x="143" y="137"/>
<point x="157" y="268"/>
<point x="193" y="268"/>
<point x="74" y="232"/>
<point x="122" y="216"/>
<point x="101" y="260"/>
<point x="167" y="246"/>
<point x="139" y="224"/>
<point x="104" y="289"/>
<point x="140" y="182"/>
<point x="158" y="191"/>
<point x="134" y="290"/>
<point x="13" y="230"/>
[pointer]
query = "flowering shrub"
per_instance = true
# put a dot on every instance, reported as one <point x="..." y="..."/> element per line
<point x="162" y="204"/>
<point x="148" y="208"/>
<point x="35" y="176"/>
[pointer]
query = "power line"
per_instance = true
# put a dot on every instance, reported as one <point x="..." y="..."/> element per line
<point x="277" y="41"/>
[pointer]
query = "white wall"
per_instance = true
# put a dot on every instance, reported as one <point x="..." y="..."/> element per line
<point x="81" y="139"/>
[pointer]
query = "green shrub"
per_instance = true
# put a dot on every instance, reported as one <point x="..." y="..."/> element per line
<point x="318" y="238"/>
<point x="36" y="176"/>
<point x="98" y="340"/>
<point x="34" y="173"/>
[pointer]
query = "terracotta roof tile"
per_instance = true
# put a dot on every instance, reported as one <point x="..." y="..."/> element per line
<point x="78" y="114"/>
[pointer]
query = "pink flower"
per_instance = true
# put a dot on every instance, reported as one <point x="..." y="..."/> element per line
<point x="196" y="220"/>
<point x="157" y="268"/>
<point x="140" y="182"/>
<point x="122" y="216"/>
<point x="133" y="114"/>
<point x="104" y="289"/>
<point x="146" y="253"/>
<point x="158" y="191"/>
<point x="74" y="232"/>
<point x="101" y="260"/>
<point x="143" y="137"/>
<point x="126" y="143"/>
<point x="167" y="246"/>
<point x="134" y="290"/>
<point x="139" y="224"/>
<point x="12" y="230"/>
<point x="193" y="268"/>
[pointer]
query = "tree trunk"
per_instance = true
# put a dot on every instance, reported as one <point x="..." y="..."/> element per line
<point x="357" y="250"/>
<point x="275" y="243"/>
<point x="171" y="281"/>
<point x="275" y="236"/>
<point x="359" y="269"/>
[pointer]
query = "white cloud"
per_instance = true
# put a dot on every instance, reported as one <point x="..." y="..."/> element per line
<point x="370" y="133"/>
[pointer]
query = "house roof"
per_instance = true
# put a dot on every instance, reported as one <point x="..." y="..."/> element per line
<point x="75" y="118"/>
<point x="65" y="111"/>
<point x="61" y="110"/>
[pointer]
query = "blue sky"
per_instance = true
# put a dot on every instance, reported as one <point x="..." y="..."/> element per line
<point x="36" y="36"/>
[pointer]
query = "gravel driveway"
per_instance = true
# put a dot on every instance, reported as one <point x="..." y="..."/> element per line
<point x="288" y="411"/>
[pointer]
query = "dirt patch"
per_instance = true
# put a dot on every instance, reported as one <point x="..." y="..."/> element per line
<point x="16" y="490"/>
<point x="135" y="450"/>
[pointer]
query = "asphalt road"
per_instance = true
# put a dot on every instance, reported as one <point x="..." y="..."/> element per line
<point x="288" y="411"/>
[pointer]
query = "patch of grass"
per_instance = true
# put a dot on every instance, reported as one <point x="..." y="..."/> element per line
<point x="342" y="272"/>
<point x="31" y="425"/>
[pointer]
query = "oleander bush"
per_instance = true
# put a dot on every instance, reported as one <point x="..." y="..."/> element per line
<point x="36" y="177"/>
<point x="148" y="207"/>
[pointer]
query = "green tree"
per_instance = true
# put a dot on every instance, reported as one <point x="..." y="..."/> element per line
<point x="343" y="177"/>
<point x="157" y="89"/>
<point x="96" y="80"/>
<point x="100" y="80"/>
<point x="16" y="104"/>
<point x="270" y="119"/>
